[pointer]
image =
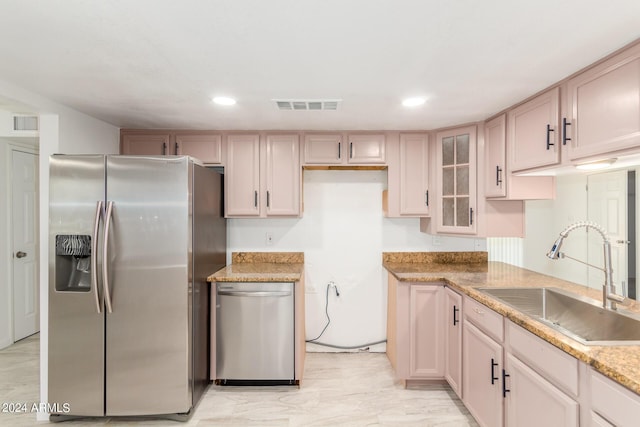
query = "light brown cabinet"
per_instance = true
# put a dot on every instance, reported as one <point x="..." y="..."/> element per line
<point x="453" y="340"/>
<point x="415" y="344"/>
<point x="603" y="107"/>
<point x="341" y="149"/>
<point x="205" y="146"/>
<point x="262" y="178"/>
<point x="456" y="180"/>
<point x="533" y="129"/>
<point x="500" y="183"/>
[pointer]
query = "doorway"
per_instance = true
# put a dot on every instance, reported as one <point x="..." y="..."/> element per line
<point x="611" y="204"/>
<point x="24" y="243"/>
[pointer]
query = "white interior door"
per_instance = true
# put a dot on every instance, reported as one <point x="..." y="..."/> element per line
<point x="607" y="206"/>
<point x="24" y="197"/>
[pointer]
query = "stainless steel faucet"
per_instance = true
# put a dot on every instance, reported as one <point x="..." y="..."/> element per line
<point x="609" y="296"/>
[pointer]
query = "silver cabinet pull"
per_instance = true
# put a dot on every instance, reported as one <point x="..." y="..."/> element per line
<point x="94" y="254"/>
<point x="105" y="258"/>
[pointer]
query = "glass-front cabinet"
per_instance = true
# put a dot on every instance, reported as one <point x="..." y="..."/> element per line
<point x="456" y="180"/>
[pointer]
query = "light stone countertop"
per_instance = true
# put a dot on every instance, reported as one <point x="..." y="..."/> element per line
<point x="620" y="363"/>
<point x="262" y="267"/>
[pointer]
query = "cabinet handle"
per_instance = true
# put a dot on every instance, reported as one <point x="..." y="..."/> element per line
<point x="549" y="130"/>
<point x="478" y="311"/>
<point x="268" y="198"/>
<point x="426" y="197"/>
<point x="493" y="373"/>
<point x="565" y="138"/>
<point x="339" y="150"/>
<point x="255" y="199"/>
<point x="177" y="148"/>
<point x="470" y="216"/>
<point x="351" y="150"/>
<point x="164" y="148"/>
<point x="505" y="390"/>
<point x="455" y="318"/>
<point x="498" y="176"/>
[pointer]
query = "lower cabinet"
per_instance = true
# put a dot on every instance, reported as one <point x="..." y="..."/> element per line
<point x="513" y="378"/>
<point x="482" y="370"/>
<point x="532" y="401"/>
<point x="453" y="340"/>
<point x="415" y="333"/>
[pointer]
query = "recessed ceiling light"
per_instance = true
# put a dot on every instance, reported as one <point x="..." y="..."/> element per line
<point x="413" y="102"/>
<point x="223" y="100"/>
<point x="598" y="164"/>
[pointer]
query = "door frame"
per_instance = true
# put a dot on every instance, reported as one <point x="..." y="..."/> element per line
<point x="7" y="147"/>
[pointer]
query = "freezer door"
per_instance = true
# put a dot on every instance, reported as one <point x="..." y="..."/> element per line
<point x="76" y="327"/>
<point x="147" y="332"/>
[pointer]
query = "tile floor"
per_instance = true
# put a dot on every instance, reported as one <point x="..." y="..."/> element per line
<point x="345" y="389"/>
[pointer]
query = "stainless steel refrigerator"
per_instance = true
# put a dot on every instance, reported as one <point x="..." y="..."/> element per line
<point x="132" y="241"/>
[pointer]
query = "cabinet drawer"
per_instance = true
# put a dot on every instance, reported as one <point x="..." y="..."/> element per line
<point x="484" y="318"/>
<point x="613" y="402"/>
<point x="553" y="364"/>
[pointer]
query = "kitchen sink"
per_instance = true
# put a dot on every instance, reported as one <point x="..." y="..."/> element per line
<point x="580" y="318"/>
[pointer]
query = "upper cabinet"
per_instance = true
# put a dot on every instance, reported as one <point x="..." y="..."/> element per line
<point x="456" y="180"/>
<point x="495" y="145"/>
<point x="339" y="149"/>
<point x="602" y="113"/>
<point x="147" y="143"/>
<point x="205" y="146"/>
<point x="500" y="183"/>
<point x="414" y="175"/>
<point x="262" y="177"/>
<point x="532" y="137"/>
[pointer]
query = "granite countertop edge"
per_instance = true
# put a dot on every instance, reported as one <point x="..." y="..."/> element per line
<point x="620" y="363"/>
<point x="259" y="272"/>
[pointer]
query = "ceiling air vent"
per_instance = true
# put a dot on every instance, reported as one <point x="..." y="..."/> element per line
<point x="307" y="104"/>
<point x="23" y="123"/>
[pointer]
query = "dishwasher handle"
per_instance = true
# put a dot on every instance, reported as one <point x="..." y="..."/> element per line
<point x="255" y="293"/>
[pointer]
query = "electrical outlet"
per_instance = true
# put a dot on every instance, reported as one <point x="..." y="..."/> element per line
<point x="268" y="238"/>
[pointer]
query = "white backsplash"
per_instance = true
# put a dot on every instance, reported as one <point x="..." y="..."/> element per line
<point x="343" y="233"/>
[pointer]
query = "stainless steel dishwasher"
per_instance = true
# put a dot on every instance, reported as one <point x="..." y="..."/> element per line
<point x="255" y="327"/>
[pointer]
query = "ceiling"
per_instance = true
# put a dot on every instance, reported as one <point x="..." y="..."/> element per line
<point x="157" y="63"/>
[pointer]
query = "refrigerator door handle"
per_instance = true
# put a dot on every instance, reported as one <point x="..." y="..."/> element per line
<point x="94" y="254"/>
<point x="105" y="258"/>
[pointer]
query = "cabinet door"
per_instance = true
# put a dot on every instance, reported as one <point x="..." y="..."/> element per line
<point x="414" y="175"/>
<point x="533" y="132"/>
<point x="242" y="176"/>
<point x="604" y="106"/>
<point x="495" y="142"/>
<point x="532" y="401"/>
<point x="145" y="144"/>
<point x="482" y="368"/>
<point x="456" y="159"/>
<point x="207" y="148"/>
<point x="453" y="340"/>
<point x="283" y="174"/>
<point x="323" y="149"/>
<point x="366" y="149"/>
<point x="426" y="355"/>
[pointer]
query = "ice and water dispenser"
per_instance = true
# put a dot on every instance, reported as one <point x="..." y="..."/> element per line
<point x="73" y="263"/>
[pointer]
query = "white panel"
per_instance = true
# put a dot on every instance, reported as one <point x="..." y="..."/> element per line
<point x="343" y="234"/>
<point x="506" y="249"/>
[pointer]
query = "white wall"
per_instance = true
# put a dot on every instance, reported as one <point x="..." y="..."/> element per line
<point x="343" y="234"/>
<point x="62" y="130"/>
<point x="545" y="219"/>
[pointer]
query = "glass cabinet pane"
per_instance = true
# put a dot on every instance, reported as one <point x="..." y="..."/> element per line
<point x="462" y="148"/>
<point x="448" y="180"/>
<point x="462" y="211"/>
<point x="447" y="151"/>
<point x="448" y="211"/>
<point x="462" y="180"/>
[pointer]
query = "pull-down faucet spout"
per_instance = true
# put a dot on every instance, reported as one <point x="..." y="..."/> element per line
<point x="609" y="297"/>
